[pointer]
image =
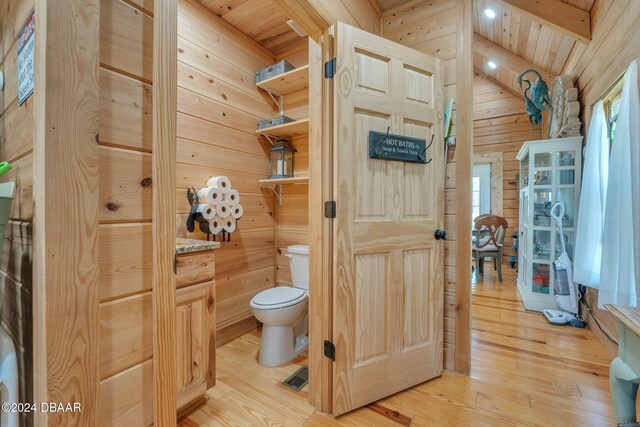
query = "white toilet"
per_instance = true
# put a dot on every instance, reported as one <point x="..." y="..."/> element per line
<point x="283" y="313"/>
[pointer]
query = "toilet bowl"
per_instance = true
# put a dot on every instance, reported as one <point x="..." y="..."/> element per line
<point x="283" y="313"/>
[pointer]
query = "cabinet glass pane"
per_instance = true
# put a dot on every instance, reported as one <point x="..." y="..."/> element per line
<point x="540" y="280"/>
<point x="566" y="158"/>
<point x="524" y="207"/>
<point x="567" y="196"/>
<point x="542" y="244"/>
<point x="542" y="177"/>
<point x="566" y="177"/>
<point x="541" y="208"/>
<point x="522" y="270"/>
<point x="568" y="242"/>
<point x="542" y="160"/>
<point x="525" y="171"/>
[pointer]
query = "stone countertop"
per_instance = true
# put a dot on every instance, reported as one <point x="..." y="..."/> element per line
<point x="186" y="246"/>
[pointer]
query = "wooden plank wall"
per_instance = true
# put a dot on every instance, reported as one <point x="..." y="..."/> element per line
<point x="430" y="27"/>
<point x="218" y="111"/>
<point x="16" y="147"/>
<point x="595" y="67"/>
<point x="501" y="125"/>
<point x="292" y="217"/>
<point x="125" y="240"/>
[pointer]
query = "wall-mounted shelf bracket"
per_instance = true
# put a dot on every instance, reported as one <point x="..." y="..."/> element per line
<point x="277" y="190"/>
<point x="269" y="138"/>
<point x="278" y="100"/>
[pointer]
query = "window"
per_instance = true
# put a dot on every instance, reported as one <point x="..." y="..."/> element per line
<point x="612" y="100"/>
<point x="613" y="108"/>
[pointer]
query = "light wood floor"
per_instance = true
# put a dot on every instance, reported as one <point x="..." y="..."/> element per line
<point x="525" y="372"/>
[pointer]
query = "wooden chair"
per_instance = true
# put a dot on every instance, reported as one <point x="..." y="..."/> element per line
<point x="491" y="245"/>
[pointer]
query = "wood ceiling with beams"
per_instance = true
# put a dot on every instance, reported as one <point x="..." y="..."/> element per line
<point x="262" y="20"/>
<point x="529" y="38"/>
<point x="524" y="34"/>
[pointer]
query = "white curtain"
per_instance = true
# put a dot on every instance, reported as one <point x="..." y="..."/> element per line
<point x="588" y="253"/>
<point x="620" y="269"/>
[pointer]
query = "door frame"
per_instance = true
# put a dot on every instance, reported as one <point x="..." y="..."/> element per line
<point x="165" y="113"/>
<point x="321" y="49"/>
<point x="464" y="165"/>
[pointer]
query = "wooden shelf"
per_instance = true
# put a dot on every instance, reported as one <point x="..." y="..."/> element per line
<point x="289" y="82"/>
<point x="291" y="129"/>
<point x="294" y="180"/>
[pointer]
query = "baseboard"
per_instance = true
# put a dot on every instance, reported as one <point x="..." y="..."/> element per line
<point x="611" y="347"/>
<point x="235" y="328"/>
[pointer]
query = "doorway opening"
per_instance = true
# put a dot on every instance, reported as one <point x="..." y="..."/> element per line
<point x="481" y="190"/>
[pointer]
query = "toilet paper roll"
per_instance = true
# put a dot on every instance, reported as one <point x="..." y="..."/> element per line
<point x="210" y="195"/>
<point x="237" y="211"/>
<point x="207" y="211"/>
<point x="232" y="197"/>
<point x="215" y="225"/>
<point x="224" y="210"/>
<point x="229" y="225"/>
<point x="222" y="183"/>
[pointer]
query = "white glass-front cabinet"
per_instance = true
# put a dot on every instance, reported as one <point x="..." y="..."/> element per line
<point x="549" y="172"/>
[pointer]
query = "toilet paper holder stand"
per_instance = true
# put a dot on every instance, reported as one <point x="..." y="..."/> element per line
<point x="194" y="215"/>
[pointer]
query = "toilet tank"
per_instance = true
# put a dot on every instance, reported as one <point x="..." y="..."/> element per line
<point x="299" y="263"/>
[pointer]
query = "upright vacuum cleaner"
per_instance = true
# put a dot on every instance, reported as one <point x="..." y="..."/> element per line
<point x="563" y="287"/>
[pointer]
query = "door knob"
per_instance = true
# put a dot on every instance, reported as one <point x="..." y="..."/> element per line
<point x="440" y="235"/>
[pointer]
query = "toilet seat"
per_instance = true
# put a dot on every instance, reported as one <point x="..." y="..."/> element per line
<point x="278" y="297"/>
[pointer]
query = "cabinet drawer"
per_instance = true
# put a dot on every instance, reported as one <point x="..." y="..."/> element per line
<point x="195" y="268"/>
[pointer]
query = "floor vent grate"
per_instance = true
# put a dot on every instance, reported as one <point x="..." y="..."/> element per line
<point x="298" y="380"/>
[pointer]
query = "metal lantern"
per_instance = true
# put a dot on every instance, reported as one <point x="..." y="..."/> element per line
<point x="281" y="160"/>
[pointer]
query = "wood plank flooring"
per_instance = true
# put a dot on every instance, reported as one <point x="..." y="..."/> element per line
<point x="525" y="372"/>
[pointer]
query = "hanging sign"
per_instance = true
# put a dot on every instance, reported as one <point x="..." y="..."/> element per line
<point x="26" y="41"/>
<point x="401" y="148"/>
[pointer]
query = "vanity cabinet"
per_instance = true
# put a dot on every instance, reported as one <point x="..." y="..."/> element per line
<point x="195" y="326"/>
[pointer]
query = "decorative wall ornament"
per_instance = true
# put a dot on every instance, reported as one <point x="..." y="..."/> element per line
<point x="536" y="97"/>
<point x="566" y="114"/>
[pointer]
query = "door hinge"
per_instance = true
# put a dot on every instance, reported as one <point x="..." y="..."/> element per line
<point x="330" y="209"/>
<point x="330" y="68"/>
<point x="330" y="350"/>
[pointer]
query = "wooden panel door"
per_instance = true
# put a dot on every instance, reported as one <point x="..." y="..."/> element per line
<point x="195" y="331"/>
<point x="388" y="268"/>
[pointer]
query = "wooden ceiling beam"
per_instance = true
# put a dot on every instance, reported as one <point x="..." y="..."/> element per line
<point x="305" y="15"/>
<point x="494" y="80"/>
<point x="561" y="16"/>
<point x="507" y="59"/>
<point x="316" y="15"/>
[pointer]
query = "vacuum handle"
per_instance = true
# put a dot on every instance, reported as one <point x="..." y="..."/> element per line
<point x="557" y="212"/>
<point x="557" y="216"/>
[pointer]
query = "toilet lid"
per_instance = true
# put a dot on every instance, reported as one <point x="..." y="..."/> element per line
<point x="278" y="296"/>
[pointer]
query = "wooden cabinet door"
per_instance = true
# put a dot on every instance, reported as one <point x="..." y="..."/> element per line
<point x="195" y="340"/>
<point x="387" y="266"/>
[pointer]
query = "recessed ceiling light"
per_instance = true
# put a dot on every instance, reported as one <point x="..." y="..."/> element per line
<point x="492" y="65"/>
<point x="490" y="13"/>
